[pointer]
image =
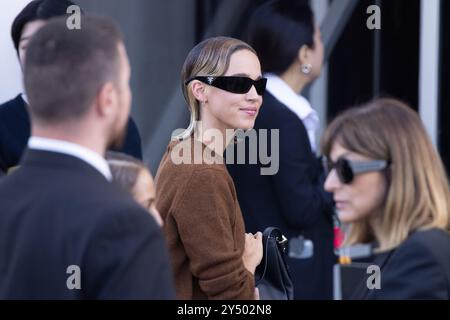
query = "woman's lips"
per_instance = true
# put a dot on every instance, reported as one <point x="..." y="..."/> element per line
<point x="340" y="204"/>
<point x="250" y="111"/>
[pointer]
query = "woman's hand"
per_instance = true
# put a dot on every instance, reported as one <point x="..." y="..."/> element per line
<point x="253" y="251"/>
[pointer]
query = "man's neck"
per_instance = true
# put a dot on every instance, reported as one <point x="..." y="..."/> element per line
<point x="81" y="140"/>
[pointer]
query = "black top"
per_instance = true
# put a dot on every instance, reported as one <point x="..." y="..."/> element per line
<point x="15" y="129"/>
<point x="417" y="269"/>
<point x="293" y="199"/>
<point x="58" y="211"/>
<point x="2" y="166"/>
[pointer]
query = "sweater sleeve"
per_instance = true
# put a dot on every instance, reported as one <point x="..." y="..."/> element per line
<point x="206" y="221"/>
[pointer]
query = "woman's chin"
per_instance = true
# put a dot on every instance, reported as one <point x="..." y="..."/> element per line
<point x="247" y="125"/>
<point x="345" y="216"/>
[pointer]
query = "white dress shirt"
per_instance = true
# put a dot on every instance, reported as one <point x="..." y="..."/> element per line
<point x="296" y="103"/>
<point x="60" y="146"/>
<point x="25" y="98"/>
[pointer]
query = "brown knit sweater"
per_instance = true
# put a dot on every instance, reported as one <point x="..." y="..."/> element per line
<point x="203" y="225"/>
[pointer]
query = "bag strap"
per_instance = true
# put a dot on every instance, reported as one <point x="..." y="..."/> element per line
<point x="282" y="241"/>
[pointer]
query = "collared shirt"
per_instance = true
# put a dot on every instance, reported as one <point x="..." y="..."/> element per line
<point x="25" y="98"/>
<point x="90" y="157"/>
<point x="296" y="103"/>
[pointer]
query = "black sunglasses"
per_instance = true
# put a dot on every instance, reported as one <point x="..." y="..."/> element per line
<point x="346" y="169"/>
<point x="233" y="84"/>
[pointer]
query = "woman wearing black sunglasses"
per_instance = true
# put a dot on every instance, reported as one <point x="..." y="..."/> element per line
<point x="287" y="39"/>
<point x="390" y="187"/>
<point x="212" y="256"/>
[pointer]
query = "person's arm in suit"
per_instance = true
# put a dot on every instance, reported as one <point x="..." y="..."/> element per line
<point x="413" y="273"/>
<point x="299" y="181"/>
<point x="2" y="167"/>
<point x="128" y="259"/>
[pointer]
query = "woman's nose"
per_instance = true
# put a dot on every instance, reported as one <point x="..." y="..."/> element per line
<point x="332" y="181"/>
<point x="252" y="93"/>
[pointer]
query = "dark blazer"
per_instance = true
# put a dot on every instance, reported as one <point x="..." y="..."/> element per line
<point x="418" y="269"/>
<point x="1" y="167"/>
<point x="293" y="199"/>
<point x="15" y="130"/>
<point x="58" y="211"/>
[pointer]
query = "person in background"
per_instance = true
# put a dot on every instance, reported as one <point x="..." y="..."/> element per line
<point x="212" y="256"/>
<point x="66" y="231"/>
<point x="1" y="166"/>
<point x="134" y="177"/>
<point x="14" y="115"/>
<point x="288" y="42"/>
<point x="391" y="189"/>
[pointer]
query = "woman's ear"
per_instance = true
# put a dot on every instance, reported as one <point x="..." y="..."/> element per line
<point x="199" y="91"/>
<point x="303" y="55"/>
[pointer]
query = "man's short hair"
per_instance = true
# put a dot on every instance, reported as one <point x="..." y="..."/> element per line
<point x="65" y="69"/>
<point x="37" y="10"/>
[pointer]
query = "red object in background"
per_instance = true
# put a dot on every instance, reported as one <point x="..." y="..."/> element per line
<point x="338" y="237"/>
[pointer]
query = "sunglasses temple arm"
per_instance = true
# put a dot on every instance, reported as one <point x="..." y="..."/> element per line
<point x="366" y="166"/>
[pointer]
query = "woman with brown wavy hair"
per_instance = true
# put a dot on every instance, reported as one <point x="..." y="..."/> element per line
<point x="390" y="187"/>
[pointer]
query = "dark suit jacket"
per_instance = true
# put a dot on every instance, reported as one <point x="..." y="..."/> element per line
<point x="58" y="211"/>
<point x="1" y="167"/>
<point x="418" y="269"/>
<point x="15" y="130"/>
<point x="293" y="199"/>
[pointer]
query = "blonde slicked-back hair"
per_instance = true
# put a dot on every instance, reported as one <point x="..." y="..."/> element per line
<point x="417" y="193"/>
<point x="210" y="57"/>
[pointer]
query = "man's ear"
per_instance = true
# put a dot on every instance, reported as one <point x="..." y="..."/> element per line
<point x="107" y="100"/>
<point x="199" y="91"/>
<point x="303" y="54"/>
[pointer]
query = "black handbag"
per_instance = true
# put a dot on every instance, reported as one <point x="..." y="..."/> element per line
<point x="272" y="276"/>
